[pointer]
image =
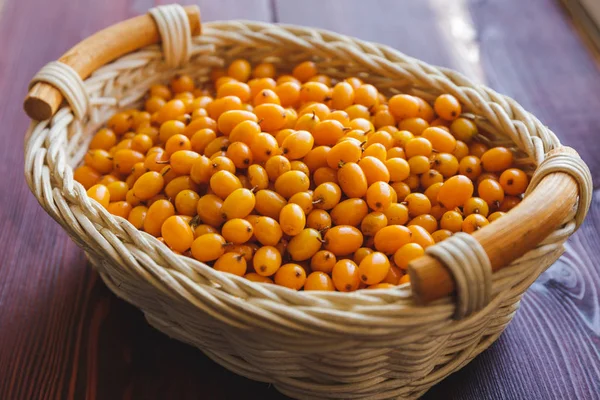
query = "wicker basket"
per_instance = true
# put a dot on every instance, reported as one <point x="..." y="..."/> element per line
<point x="375" y="344"/>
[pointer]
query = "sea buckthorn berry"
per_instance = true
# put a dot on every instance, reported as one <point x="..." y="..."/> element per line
<point x="269" y="203"/>
<point x="379" y="196"/>
<point x="266" y="96"/>
<point x="405" y="254"/>
<point x="363" y="124"/>
<point x="157" y="214"/>
<point x="103" y="140"/>
<point x="345" y="276"/>
<point x="381" y="137"/>
<point x="304" y="71"/>
<point x="323" y="260"/>
<point x="374" y="268"/>
<point x="237" y="231"/>
<point x="314" y="91"/>
<point x="325" y="174"/>
<point x="509" y="203"/>
<point x="170" y="111"/>
<point x="455" y="191"/>
<point x="352" y="180"/>
<point x="209" y="210"/>
<point x="292" y="219"/>
<point x="223" y="183"/>
<point x="271" y="117"/>
<point x="238" y="204"/>
<point x="240" y="154"/>
<point x="297" y="145"/>
<point x="326" y="196"/>
<point x="447" y="107"/>
<point x="495" y="216"/>
<point x="327" y="132"/>
<point x="178" y="184"/>
<point x="304" y="245"/>
<point x="376" y="150"/>
<point x="182" y="83"/>
<point x="148" y="185"/>
<point x="418" y="146"/>
<point x="452" y="221"/>
<point x="373" y="223"/>
<point x="421" y="236"/>
<point x="441" y="140"/>
<point x="349" y="212"/>
<point x="288" y="94"/>
<point x="477" y="149"/>
<point x="118" y="190"/>
<point x="514" y="181"/>
<point x="348" y="151"/>
<point x="491" y="191"/>
<point x="307" y="122"/>
<point x="341" y="116"/>
<point x="131" y="199"/>
<point x="476" y="205"/>
<point x="429" y="178"/>
<point x="318" y="280"/>
<point x="437" y="211"/>
<point x="470" y="166"/>
<point x="405" y="279"/>
<point x="392" y="278"/>
<point x="474" y="222"/>
<point x="232" y="263"/>
<point x="201" y="170"/>
<point x="404" y="106"/>
<point x="401" y="139"/>
<point x="277" y="166"/>
<point x="258" y="84"/>
<point x="446" y="164"/>
<point x="441" y="235"/>
<point x="125" y="159"/>
<point x="427" y="221"/>
<point x="154" y="103"/>
<point x="137" y="216"/>
<point x="182" y="161"/>
<point x="461" y="150"/>
<point x="177" y="143"/>
<point x="100" y="160"/>
<point x="264" y="146"/>
<point x="366" y="95"/>
<point x="230" y="119"/>
<point x="141" y="143"/>
<point x="254" y="277"/>
<point x="267" y="231"/>
<point x="201" y="138"/>
<point x="396" y="214"/>
<point x="264" y="70"/>
<point x="361" y="253"/>
<point x="463" y="129"/>
<point x="120" y="123"/>
<point x="291" y="276"/>
<point x="100" y="193"/>
<point x="234" y="88"/>
<point x="417" y="204"/>
<point x="300" y="166"/>
<point x="222" y="105"/>
<point x="496" y="159"/>
<point x="316" y="158"/>
<point x="402" y="190"/>
<point x="354" y="82"/>
<point x="240" y="70"/>
<point x="343" y="239"/>
<point x="223" y="80"/>
<point x="413" y="181"/>
<point x="425" y="110"/>
<point x="383" y="118"/>
<point x="304" y="200"/>
<point x="186" y="202"/>
<point x="419" y="165"/>
<point x="414" y="125"/>
<point x="319" y="220"/>
<point x="391" y="238"/>
<point x="177" y="233"/>
<point x="292" y="182"/>
<point x="258" y="177"/>
<point x="208" y="247"/>
<point x="162" y="91"/>
<point x="342" y="96"/>
<point x="374" y="170"/>
<point x="244" y="250"/>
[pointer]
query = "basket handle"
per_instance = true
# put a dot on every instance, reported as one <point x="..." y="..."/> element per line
<point x="523" y="228"/>
<point x="101" y="48"/>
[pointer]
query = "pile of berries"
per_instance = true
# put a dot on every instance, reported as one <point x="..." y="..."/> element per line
<point x="298" y="179"/>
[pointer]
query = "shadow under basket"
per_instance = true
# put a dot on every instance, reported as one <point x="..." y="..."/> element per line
<point x="369" y="344"/>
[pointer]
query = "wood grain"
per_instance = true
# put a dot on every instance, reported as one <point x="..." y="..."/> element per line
<point x="63" y="335"/>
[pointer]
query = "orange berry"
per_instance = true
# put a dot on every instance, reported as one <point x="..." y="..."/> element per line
<point x="238" y="204"/>
<point x="237" y="231"/>
<point x="404" y="106"/>
<point x="374" y="268"/>
<point x="304" y="71"/>
<point x="177" y="233"/>
<point x="297" y="145"/>
<point x="455" y="191"/>
<point x="514" y="181"/>
<point x="208" y="247"/>
<point x="292" y="219"/>
<point x="87" y="176"/>
<point x="379" y="196"/>
<point x="491" y="191"/>
<point x="421" y="236"/>
<point x="474" y="222"/>
<point x="318" y="281"/>
<point x="209" y="210"/>
<point x="232" y="263"/>
<point x="476" y="205"/>
<point x="292" y="182"/>
<point x="374" y="169"/>
<point x="372" y="223"/>
<point x="447" y="107"/>
<point x="291" y="276"/>
<point x="326" y="196"/>
<point x="157" y="214"/>
<point x="391" y="238"/>
<point x="304" y="245"/>
<point x="323" y="260"/>
<point x="269" y="203"/>
<point x="345" y="276"/>
<point x="267" y="231"/>
<point x="405" y="254"/>
<point x="100" y="193"/>
<point x="148" y="185"/>
<point x="496" y="159"/>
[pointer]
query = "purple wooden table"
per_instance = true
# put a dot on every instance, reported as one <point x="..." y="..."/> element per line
<point x="64" y="335"/>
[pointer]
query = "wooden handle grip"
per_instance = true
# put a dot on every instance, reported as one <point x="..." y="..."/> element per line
<point x="509" y="237"/>
<point x="104" y="46"/>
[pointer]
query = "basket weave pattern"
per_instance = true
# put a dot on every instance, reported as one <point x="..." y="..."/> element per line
<point x="368" y="344"/>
